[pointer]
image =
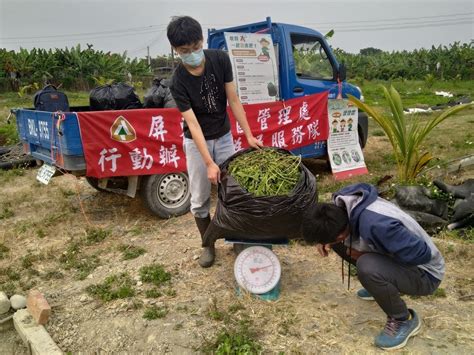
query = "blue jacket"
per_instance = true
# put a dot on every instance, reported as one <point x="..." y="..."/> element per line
<point x="379" y="226"/>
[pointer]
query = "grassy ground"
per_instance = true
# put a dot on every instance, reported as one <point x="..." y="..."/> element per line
<point x="415" y="93"/>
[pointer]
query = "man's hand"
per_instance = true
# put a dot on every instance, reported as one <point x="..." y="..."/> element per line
<point x="323" y="249"/>
<point x="254" y="142"/>
<point x="214" y="173"/>
<point x="354" y="254"/>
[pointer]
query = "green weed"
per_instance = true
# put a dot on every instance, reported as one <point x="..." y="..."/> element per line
<point x="113" y="287"/>
<point x="96" y="235"/>
<point x="73" y="258"/>
<point x="131" y="252"/>
<point x="4" y="250"/>
<point x="154" y="312"/>
<point x="53" y="275"/>
<point x="28" y="260"/>
<point x="153" y="293"/>
<point x="40" y="233"/>
<point x="439" y="293"/>
<point x="6" y="212"/>
<point x="154" y="274"/>
<point x="378" y="133"/>
<point x="234" y="340"/>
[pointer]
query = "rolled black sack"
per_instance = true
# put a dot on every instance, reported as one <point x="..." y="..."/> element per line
<point x="243" y="216"/>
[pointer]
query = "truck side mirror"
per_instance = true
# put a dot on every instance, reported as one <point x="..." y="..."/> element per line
<point x="341" y="73"/>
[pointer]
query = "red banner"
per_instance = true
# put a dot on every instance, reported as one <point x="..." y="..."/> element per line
<point x="150" y="141"/>
<point x="285" y="124"/>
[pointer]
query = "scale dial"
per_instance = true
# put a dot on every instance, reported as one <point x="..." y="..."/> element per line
<point x="257" y="270"/>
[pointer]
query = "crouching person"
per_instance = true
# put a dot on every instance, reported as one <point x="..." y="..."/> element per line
<point x="392" y="253"/>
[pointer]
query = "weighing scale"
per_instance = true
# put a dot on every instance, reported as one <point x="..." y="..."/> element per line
<point x="258" y="270"/>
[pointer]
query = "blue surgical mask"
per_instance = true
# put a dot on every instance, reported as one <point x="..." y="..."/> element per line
<point x="194" y="58"/>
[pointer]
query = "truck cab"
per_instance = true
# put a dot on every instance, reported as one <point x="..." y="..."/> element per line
<point x="306" y="65"/>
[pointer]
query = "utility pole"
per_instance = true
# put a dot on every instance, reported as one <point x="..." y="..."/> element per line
<point x="148" y="55"/>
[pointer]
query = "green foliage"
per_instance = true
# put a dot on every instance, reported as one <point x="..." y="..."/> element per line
<point x="266" y="172"/>
<point x="153" y="293"/>
<point x="406" y="136"/>
<point x="154" y="274"/>
<point x="131" y="251"/>
<point x="96" y="235"/>
<point x="73" y="258"/>
<point x="72" y="68"/>
<point x="113" y="287"/>
<point x="456" y="61"/>
<point x="3" y="251"/>
<point x="8" y="134"/>
<point x="155" y="312"/>
<point x="234" y="340"/>
<point x="28" y="89"/>
<point x="429" y="80"/>
<point x="6" y="212"/>
<point x="440" y="293"/>
<point x="101" y="81"/>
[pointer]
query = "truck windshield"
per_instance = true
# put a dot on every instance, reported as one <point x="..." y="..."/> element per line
<point x="311" y="59"/>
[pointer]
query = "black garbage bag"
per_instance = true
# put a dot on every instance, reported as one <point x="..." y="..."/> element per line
<point x="242" y="215"/>
<point x="415" y="198"/>
<point x="119" y="96"/>
<point x="459" y="191"/>
<point x="159" y="95"/>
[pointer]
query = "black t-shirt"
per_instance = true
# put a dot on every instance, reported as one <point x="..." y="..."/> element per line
<point x="205" y="94"/>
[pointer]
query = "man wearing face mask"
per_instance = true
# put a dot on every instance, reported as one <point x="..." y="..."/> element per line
<point x="201" y="85"/>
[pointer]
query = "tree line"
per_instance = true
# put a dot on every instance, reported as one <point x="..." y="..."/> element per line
<point x="79" y="68"/>
<point x="452" y="62"/>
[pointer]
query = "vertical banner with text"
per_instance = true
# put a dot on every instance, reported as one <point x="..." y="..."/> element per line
<point x="255" y="66"/>
<point x="344" y="151"/>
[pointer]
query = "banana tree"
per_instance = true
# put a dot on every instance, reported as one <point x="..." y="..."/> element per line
<point x="406" y="137"/>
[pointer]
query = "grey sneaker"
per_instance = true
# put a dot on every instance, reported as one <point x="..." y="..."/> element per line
<point x="365" y="295"/>
<point x="396" y="333"/>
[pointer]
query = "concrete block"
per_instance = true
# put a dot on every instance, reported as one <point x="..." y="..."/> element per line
<point x="38" y="306"/>
<point x="34" y="335"/>
<point x="4" y="303"/>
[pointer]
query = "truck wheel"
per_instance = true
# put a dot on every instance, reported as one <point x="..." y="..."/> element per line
<point x="94" y="182"/>
<point x="166" y="195"/>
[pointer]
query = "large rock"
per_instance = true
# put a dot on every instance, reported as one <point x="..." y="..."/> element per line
<point x="4" y="303"/>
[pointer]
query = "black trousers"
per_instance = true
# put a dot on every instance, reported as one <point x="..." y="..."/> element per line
<point x="385" y="279"/>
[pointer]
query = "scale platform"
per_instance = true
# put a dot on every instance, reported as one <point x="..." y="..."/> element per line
<point x="257" y="269"/>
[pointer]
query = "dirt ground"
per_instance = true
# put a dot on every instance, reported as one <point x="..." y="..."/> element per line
<point x="314" y="314"/>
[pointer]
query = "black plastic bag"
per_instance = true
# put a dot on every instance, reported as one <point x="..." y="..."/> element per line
<point x="118" y="96"/>
<point x="247" y="217"/>
<point x="159" y="95"/>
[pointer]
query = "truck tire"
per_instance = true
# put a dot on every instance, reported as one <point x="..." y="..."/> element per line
<point x="166" y="195"/>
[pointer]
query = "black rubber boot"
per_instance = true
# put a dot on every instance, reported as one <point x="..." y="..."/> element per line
<point x="208" y="253"/>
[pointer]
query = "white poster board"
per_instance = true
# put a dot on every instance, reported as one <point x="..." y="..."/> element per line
<point x="255" y="66"/>
<point x="345" y="153"/>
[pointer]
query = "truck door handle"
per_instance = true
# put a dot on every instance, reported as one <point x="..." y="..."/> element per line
<point x="298" y="90"/>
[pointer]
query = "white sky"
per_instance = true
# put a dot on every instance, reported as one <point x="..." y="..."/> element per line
<point x="132" y="25"/>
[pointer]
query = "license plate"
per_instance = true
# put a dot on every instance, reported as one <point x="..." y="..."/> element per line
<point x="45" y="173"/>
